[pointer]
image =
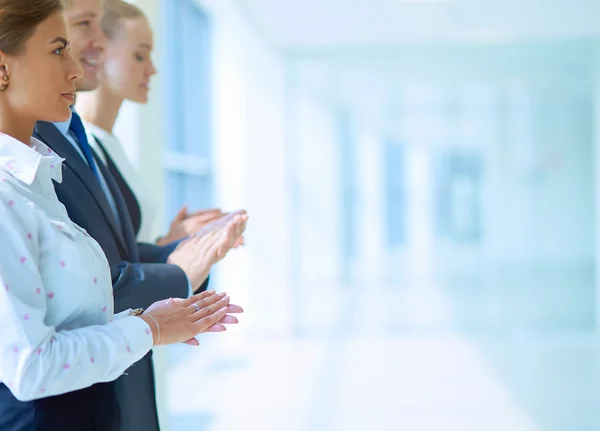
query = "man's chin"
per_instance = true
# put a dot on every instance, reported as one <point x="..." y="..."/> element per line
<point x="87" y="83"/>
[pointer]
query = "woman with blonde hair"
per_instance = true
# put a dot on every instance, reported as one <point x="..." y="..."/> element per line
<point x="126" y="74"/>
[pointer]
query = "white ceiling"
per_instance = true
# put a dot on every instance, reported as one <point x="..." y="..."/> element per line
<point x="362" y="53"/>
<point x="370" y="83"/>
<point x="312" y="25"/>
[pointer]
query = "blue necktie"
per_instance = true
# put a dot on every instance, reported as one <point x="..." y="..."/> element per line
<point x="79" y="131"/>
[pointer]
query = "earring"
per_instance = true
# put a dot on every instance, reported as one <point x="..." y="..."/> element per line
<point x="4" y="84"/>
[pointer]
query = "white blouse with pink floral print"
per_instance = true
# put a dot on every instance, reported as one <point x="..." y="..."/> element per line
<point x="58" y="331"/>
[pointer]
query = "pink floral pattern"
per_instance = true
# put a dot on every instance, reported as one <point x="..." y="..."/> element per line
<point x="73" y="275"/>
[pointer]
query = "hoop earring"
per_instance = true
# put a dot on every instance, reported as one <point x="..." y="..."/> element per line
<point x="4" y="84"/>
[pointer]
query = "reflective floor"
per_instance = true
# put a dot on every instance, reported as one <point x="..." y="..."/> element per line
<point x="501" y="350"/>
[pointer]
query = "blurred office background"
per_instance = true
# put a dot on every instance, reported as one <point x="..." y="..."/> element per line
<point x="421" y="177"/>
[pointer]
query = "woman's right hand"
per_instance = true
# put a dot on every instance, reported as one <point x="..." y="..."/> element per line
<point x="196" y="254"/>
<point x="180" y="321"/>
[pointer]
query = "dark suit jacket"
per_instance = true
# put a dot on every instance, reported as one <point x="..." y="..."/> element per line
<point x="133" y="205"/>
<point x="91" y="409"/>
<point x="149" y="253"/>
<point x="139" y="275"/>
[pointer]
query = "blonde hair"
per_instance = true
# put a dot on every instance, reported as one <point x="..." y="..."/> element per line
<point x="115" y="11"/>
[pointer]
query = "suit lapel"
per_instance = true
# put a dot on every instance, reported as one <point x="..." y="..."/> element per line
<point x="131" y="201"/>
<point x="126" y="224"/>
<point x="50" y="135"/>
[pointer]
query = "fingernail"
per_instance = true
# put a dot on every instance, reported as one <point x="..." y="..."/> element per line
<point x="211" y="292"/>
<point x="226" y="298"/>
<point x="222" y="294"/>
<point x="223" y="309"/>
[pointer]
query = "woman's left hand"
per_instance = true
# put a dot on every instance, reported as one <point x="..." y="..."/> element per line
<point x="184" y="224"/>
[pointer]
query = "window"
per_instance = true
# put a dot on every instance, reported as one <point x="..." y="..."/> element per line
<point x="187" y="157"/>
<point x="348" y="192"/>
<point x="457" y="202"/>
<point x="395" y="194"/>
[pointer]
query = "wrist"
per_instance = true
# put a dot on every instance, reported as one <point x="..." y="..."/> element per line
<point x="200" y="280"/>
<point x="195" y="278"/>
<point x="154" y="327"/>
<point x="167" y="239"/>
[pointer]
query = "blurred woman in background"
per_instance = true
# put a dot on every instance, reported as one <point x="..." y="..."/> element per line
<point x="126" y="75"/>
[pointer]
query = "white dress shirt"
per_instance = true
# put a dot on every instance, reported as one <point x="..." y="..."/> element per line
<point x="59" y="333"/>
<point x="148" y="205"/>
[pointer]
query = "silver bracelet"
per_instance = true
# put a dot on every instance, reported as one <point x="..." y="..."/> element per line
<point x="158" y="329"/>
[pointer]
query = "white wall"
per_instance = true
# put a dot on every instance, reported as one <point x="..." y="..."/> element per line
<point x="316" y="185"/>
<point x="539" y="190"/>
<point x="250" y="162"/>
<point x="596" y="161"/>
<point x="248" y="105"/>
<point x="274" y="135"/>
<point x="536" y="142"/>
<point x="371" y="247"/>
<point x="538" y="180"/>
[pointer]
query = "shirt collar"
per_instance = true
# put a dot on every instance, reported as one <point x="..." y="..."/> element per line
<point x="94" y="130"/>
<point x="63" y="126"/>
<point x="23" y="162"/>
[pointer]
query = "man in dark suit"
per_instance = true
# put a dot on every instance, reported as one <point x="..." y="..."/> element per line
<point x="142" y="273"/>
